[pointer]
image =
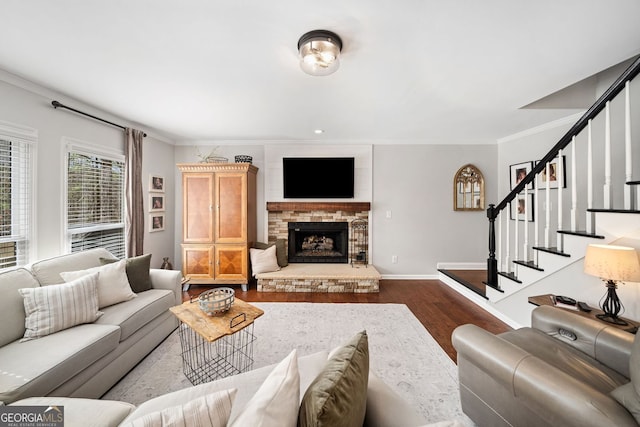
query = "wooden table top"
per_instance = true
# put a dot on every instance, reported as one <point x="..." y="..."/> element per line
<point x="212" y="328"/>
<point x="546" y="300"/>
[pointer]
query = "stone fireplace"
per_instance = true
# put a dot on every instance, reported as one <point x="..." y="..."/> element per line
<point x="280" y="214"/>
<point x="318" y="225"/>
<point x="322" y="242"/>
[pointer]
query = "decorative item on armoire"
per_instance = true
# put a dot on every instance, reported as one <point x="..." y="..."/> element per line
<point x="243" y="158"/>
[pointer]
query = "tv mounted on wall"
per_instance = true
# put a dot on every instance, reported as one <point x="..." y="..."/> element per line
<point x="318" y="177"/>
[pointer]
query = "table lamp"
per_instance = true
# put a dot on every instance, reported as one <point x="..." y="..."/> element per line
<point x="612" y="264"/>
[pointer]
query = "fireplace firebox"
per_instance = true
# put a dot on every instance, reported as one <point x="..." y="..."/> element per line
<point x="317" y="242"/>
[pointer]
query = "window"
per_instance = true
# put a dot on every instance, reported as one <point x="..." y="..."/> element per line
<point x="95" y="201"/>
<point x="16" y="193"/>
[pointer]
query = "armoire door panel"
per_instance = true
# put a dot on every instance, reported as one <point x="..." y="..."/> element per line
<point x="198" y="208"/>
<point x="231" y="262"/>
<point x="198" y="261"/>
<point x="231" y="202"/>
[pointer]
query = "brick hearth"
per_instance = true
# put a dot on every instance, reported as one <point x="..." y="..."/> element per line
<point x="320" y="278"/>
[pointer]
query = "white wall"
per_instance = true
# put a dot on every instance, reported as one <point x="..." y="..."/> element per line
<point x="415" y="183"/>
<point x="362" y="155"/>
<point x="27" y="104"/>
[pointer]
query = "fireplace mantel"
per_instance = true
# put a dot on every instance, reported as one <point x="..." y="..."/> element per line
<point x="318" y="206"/>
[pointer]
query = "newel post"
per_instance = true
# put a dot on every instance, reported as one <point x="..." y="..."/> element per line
<point x="492" y="263"/>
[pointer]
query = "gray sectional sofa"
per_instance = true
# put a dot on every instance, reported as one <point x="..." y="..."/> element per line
<point x="88" y="359"/>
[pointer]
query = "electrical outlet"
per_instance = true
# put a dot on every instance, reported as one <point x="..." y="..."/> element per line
<point x="389" y="215"/>
<point x="394" y="259"/>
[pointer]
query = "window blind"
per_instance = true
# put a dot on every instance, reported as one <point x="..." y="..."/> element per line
<point x="15" y="201"/>
<point x="95" y="203"/>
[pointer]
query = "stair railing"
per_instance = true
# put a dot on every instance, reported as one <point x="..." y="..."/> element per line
<point x="583" y="123"/>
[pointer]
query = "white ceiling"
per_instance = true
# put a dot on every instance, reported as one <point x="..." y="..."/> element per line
<point x="412" y="71"/>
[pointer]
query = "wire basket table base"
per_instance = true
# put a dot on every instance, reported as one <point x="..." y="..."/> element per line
<point x="204" y="361"/>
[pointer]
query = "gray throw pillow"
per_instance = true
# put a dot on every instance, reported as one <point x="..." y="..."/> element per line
<point x="337" y="397"/>
<point x="137" y="269"/>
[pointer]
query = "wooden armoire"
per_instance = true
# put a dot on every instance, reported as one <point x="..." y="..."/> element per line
<point x="218" y="221"/>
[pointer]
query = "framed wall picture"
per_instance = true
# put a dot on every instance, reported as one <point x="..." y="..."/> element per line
<point x="522" y="210"/>
<point x="156" y="183"/>
<point x="156" y="202"/>
<point x="156" y="222"/>
<point x="518" y="172"/>
<point x="558" y="176"/>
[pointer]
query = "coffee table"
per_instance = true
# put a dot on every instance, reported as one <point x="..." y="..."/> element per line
<point x="216" y="346"/>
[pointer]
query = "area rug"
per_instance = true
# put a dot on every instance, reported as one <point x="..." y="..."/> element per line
<point x="402" y="353"/>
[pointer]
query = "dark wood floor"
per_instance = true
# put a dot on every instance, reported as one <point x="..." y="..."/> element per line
<point x="439" y="308"/>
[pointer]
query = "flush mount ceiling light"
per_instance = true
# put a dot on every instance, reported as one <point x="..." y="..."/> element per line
<point x="319" y="52"/>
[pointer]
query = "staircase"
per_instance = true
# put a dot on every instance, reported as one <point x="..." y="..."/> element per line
<point x="599" y="204"/>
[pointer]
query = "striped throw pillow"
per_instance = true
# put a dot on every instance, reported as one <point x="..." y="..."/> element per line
<point x="53" y="308"/>
<point x="210" y="410"/>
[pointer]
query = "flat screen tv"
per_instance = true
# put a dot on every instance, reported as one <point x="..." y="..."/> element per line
<point x="318" y="177"/>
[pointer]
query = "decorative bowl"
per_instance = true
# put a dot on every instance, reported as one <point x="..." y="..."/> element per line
<point x="216" y="301"/>
<point x="242" y="158"/>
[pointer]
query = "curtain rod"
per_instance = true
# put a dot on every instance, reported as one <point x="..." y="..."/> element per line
<point x="56" y="105"/>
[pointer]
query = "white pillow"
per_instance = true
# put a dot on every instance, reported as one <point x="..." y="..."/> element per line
<point x="277" y="401"/>
<point x="53" y="308"/>
<point x="113" y="285"/>
<point x="210" y="410"/>
<point x="264" y="260"/>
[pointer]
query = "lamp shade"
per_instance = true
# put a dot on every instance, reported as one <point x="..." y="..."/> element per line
<point x="319" y="52"/>
<point x="609" y="262"/>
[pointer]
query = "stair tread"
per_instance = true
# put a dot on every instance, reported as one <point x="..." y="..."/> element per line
<point x="632" y="211"/>
<point x="492" y="287"/>
<point x="457" y="276"/>
<point x="552" y="250"/>
<point x="510" y="276"/>
<point x="529" y="264"/>
<point x="583" y="233"/>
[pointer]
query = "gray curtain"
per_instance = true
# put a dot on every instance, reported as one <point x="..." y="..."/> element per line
<point x="134" y="205"/>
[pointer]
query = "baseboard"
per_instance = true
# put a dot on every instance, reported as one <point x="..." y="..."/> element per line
<point x="409" y="276"/>
<point x="461" y="266"/>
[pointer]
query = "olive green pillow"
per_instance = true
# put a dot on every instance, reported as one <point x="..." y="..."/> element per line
<point x="337" y="397"/>
<point x="281" y="250"/>
<point x="137" y="269"/>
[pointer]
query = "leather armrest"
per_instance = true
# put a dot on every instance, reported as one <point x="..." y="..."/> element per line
<point x="607" y="344"/>
<point x="490" y="353"/>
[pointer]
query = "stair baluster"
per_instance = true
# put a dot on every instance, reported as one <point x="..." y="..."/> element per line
<point x="559" y="175"/>
<point x="607" y="157"/>
<point x="547" y="216"/>
<point x="574" y="186"/>
<point x="591" y="227"/>
<point x="628" y="169"/>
